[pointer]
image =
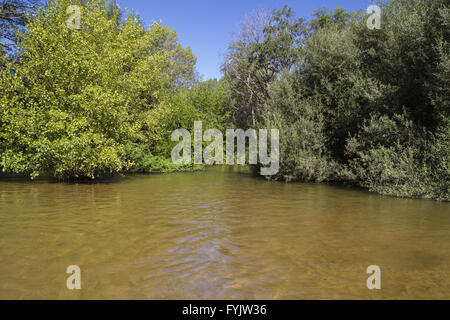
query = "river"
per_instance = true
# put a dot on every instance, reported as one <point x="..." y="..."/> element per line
<point x="218" y="234"/>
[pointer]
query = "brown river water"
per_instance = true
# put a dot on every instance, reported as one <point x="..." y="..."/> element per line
<point x="218" y="234"/>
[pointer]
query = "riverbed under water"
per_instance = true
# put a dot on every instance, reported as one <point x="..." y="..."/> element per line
<point x="218" y="234"/>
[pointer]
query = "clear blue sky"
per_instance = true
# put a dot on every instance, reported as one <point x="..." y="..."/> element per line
<point x="208" y="26"/>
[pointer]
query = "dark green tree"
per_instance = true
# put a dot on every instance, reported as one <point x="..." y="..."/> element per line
<point x="267" y="45"/>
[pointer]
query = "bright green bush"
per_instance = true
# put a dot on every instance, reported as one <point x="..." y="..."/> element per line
<point x="75" y="98"/>
<point x="140" y="160"/>
<point x="205" y="101"/>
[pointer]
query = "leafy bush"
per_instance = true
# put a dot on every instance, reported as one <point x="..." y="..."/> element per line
<point x="75" y="98"/>
<point x="303" y="153"/>
<point x="393" y="157"/>
<point x="140" y="160"/>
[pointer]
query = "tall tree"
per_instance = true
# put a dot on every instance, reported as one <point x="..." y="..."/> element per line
<point x="76" y="98"/>
<point x="267" y="44"/>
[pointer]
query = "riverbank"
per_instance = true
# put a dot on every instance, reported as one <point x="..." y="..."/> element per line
<point x="250" y="171"/>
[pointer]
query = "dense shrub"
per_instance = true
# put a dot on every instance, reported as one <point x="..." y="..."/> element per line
<point x="139" y="159"/>
<point x="303" y="152"/>
<point x="394" y="157"/>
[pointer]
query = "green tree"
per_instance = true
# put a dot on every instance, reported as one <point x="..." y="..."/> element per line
<point x="76" y="98"/>
<point x="267" y="45"/>
<point x="365" y="106"/>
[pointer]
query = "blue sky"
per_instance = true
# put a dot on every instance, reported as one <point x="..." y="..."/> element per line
<point x="208" y="26"/>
